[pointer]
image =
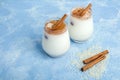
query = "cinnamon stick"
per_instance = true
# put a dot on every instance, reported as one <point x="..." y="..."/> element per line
<point x="95" y="57"/>
<point x="89" y="65"/>
<point x="59" y="22"/>
<point x="86" y="9"/>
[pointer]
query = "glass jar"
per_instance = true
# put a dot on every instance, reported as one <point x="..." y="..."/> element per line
<point x="55" y="42"/>
<point x="80" y="27"/>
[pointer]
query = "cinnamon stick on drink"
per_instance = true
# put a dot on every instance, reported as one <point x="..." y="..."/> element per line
<point x="86" y="9"/>
<point x="95" y="57"/>
<point x="89" y="65"/>
<point x="59" y="22"/>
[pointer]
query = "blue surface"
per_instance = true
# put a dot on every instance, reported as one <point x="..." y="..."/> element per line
<point x="21" y="29"/>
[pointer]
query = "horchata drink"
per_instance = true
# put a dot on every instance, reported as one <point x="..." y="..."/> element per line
<point x="56" y="40"/>
<point x="81" y="24"/>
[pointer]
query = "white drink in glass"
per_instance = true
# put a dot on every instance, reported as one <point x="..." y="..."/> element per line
<point x="80" y="27"/>
<point x="55" y="43"/>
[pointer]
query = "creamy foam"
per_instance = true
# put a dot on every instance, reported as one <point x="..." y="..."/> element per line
<point x="48" y="28"/>
<point x="77" y="11"/>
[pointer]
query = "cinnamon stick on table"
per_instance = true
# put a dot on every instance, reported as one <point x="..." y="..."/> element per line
<point x="59" y="22"/>
<point x="89" y="65"/>
<point x="86" y="9"/>
<point x="95" y="57"/>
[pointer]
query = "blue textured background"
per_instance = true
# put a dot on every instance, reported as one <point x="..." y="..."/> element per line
<point x="21" y="29"/>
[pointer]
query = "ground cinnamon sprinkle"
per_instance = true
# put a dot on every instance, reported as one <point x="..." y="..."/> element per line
<point x="56" y="26"/>
<point x="49" y="30"/>
<point x="82" y="13"/>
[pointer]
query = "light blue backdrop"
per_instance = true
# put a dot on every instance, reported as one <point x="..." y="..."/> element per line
<point x="21" y="28"/>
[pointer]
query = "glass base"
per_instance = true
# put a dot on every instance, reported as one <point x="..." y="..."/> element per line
<point x="77" y="41"/>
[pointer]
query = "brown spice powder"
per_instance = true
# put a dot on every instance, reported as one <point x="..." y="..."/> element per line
<point x="77" y="13"/>
<point x="58" y="31"/>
